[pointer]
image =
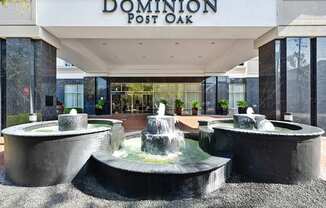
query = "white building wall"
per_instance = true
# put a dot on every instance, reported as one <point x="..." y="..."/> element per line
<point x="89" y="13"/>
<point x="301" y="12"/>
<point x="18" y="13"/>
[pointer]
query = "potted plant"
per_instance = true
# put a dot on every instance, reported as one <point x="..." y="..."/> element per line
<point x="195" y="107"/>
<point x="223" y="107"/>
<point x="99" y="107"/>
<point x="178" y="106"/>
<point x="242" y="106"/>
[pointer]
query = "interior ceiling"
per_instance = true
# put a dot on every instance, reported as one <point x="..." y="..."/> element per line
<point x="157" y="57"/>
<point x="157" y="52"/>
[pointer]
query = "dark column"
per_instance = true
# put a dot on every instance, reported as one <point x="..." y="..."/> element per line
<point x="269" y="80"/>
<point x="19" y="79"/>
<point x="45" y="80"/>
<point x="252" y="92"/>
<point x="313" y="82"/>
<point x="89" y="95"/>
<point x="2" y="84"/>
<point x="203" y="89"/>
<point x="28" y="80"/>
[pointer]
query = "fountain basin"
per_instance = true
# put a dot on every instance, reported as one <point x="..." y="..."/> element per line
<point x="37" y="154"/>
<point x="161" y="137"/>
<point x="148" y="179"/>
<point x="290" y="154"/>
<point x="68" y="122"/>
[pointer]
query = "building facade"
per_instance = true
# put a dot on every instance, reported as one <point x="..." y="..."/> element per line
<point x="139" y="95"/>
<point x="135" y="53"/>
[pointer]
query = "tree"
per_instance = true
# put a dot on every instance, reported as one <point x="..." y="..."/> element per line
<point x="5" y="2"/>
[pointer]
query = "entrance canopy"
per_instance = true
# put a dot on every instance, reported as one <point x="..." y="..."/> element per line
<point x="155" y="37"/>
<point x="157" y="57"/>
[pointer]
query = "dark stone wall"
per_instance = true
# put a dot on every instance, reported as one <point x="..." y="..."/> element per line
<point x="28" y="80"/>
<point x="89" y="95"/>
<point x="45" y="80"/>
<point x="267" y="80"/>
<point x="252" y="92"/>
<point x="61" y="87"/>
<point x="19" y="79"/>
<point x="2" y="83"/>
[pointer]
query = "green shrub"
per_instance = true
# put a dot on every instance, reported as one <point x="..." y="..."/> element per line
<point x="242" y="104"/>
<point x="20" y="118"/>
<point x="179" y="103"/>
<point x="100" y="104"/>
<point x="223" y="104"/>
<point x="195" y="104"/>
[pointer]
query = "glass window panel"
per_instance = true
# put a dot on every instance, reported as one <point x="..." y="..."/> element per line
<point x="211" y="99"/>
<point x="116" y="87"/>
<point x="237" y="91"/>
<point x="150" y="94"/>
<point x="321" y="82"/>
<point x="298" y="79"/>
<point x="148" y="86"/>
<point x="74" y="96"/>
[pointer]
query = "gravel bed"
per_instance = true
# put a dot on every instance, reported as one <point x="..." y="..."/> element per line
<point x="86" y="192"/>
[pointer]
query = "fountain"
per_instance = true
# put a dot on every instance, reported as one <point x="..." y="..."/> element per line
<point x="160" y="136"/>
<point x="265" y="151"/>
<point x="252" y="121"/>
<point x="160" y="162"/>
<point x="56" y="151"/>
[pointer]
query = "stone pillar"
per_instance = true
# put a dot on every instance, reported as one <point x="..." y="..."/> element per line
<point x="45" y="80"/>
<point x="2" y="83"/>
<point x="29" y="80"/>
<point x="269" y="80"/>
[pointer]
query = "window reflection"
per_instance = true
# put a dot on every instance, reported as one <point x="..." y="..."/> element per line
<point x="74" y="96"/>
<point x="321" y="82"/>
<point x="211" y="95"/>
<point x="298" y="78"/>
<point x="145" y="97"/>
